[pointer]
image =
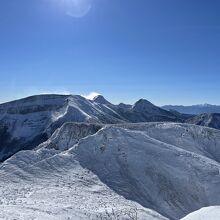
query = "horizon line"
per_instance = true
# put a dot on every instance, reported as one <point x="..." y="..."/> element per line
<point x="85" y="96"/>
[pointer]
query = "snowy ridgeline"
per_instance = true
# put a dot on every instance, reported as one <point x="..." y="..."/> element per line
<point x="126" y="171"/>
<point x="26" y="123"/>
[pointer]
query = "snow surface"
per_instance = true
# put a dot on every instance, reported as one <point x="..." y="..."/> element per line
<point x="44" y="185"/>
<point x="207" y="213"/>
<point x="127" y="170"/>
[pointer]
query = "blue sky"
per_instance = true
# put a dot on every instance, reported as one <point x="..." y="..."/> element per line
<point x="167" y="51"/>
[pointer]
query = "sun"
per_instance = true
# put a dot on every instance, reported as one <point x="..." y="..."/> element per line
<point x="76" y="8"/>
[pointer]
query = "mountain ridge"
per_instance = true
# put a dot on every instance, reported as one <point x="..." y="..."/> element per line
<point x="207" y="119"/>
<point x="25" y="123"/>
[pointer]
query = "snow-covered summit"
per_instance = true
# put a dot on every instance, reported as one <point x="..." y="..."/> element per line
<point x="144" y="105"/>
<point x="101" y="100"/>
<point x="33" y="104"/>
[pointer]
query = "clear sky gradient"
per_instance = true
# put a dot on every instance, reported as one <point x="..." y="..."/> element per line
<point x="167" y="51"/>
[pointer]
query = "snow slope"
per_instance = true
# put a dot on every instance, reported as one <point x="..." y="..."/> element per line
<point x="51" y="184"/>
<point x="196" y="139"/>
<point x="151" y="172"/>
<point x="59" y="188"/>
<point x="207" y="213"/>
<point x="125" y="169"/>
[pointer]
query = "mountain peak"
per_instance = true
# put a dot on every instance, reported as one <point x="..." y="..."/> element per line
<point x="205" y="105"/>
<point x="143" y="105"/>
<point x="100" y="99"/>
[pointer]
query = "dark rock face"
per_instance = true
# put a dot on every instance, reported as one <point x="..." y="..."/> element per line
<point x="10" y="145"/>
<point x="6" y="144"/>
<point x="4" y="135"/>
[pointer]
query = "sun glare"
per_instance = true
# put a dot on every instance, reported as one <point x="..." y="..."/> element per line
<point x="76" y="8"/>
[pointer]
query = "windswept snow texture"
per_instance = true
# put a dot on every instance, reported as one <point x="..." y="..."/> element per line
<point x="125" y="170"/>
<point x="28" y="122"/>
<point x="207" y="213"/>
<point x="51" y="184"/>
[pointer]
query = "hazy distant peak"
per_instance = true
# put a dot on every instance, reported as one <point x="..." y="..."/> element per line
<point x="205" y="105"/>
<point x="194" y="109"/>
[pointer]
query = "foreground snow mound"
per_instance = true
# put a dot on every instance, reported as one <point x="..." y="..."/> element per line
<point x="129" y="169"/>
<point x="208" y="213"/>
<point x="47" y="184"/>
<point x="164" y="177"/>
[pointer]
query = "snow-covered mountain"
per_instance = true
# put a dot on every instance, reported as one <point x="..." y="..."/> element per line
<point x="194" y="109"/>
<point x="74" y="158"/>
<point x="124" y="171"/>
<point x="28" y="122"/>
<point x="211" y="120"/>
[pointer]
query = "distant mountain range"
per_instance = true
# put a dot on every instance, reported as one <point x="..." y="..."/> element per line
<point x="194" y="109"/>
